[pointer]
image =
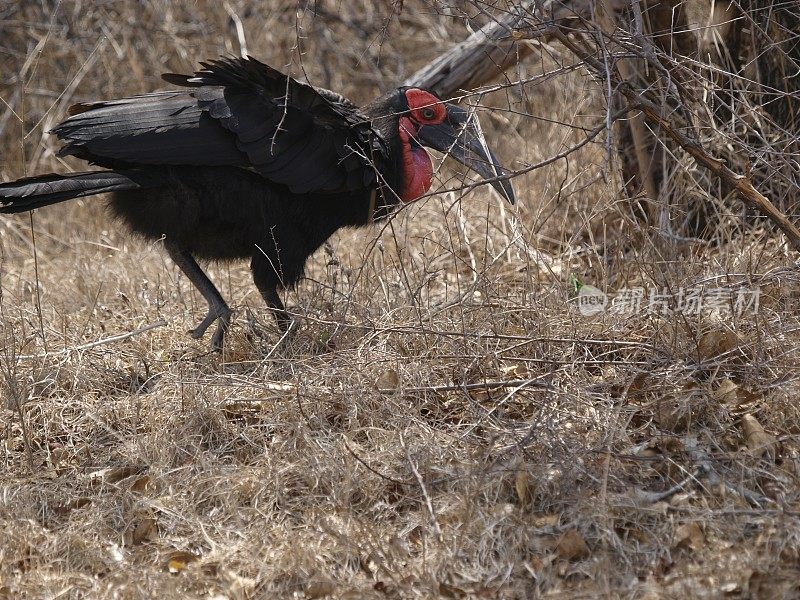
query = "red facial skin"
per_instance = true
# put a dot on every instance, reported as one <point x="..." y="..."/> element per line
<point x="425" y="109"/>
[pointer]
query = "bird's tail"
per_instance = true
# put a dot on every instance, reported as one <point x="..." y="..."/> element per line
<point x="34" y="192"/>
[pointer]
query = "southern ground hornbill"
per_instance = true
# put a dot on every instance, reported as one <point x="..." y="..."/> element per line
<point x="246" y="162"/>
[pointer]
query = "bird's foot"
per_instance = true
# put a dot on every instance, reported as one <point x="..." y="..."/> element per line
<point x="218" y="338"/>
<point x="222" y="314"/>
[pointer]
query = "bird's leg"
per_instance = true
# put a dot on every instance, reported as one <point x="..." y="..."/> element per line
<point x="267" y="283"/>
<point x="217" y="308"/>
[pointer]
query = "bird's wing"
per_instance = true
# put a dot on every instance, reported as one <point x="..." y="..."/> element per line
<point x="235" y="111"/>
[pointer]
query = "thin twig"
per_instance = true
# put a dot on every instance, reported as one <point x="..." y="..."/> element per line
<point x="428" y="502"/>
<point x="102" y="342"/>
<point x="741" y="183"/>
<point x="237" y="22"/>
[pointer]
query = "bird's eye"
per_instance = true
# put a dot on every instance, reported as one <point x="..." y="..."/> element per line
<point x="428" y="114"/>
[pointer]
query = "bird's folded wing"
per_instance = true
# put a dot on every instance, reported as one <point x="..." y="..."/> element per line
<point x="235" y="111"/>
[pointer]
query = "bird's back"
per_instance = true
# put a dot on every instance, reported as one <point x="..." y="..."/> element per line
<point x="235" y="112"/>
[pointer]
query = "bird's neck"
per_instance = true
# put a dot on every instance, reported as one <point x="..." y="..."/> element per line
<point x="416" y="164"/>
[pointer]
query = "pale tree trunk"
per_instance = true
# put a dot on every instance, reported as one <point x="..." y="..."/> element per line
<point x="500" y="44"/>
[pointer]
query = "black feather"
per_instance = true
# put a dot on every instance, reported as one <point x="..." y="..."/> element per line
<point x="242" y="162"/>
<point x="235" y="112"/>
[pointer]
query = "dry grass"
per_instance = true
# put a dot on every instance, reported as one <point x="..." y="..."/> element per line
<point x="621" y="456"/>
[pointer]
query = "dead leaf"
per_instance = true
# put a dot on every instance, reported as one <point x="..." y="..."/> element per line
<point x="747" y="400"/>
<point x="543" y="521"/>
<point x="649" y="453"/>
<point x="736" y="397"/>
<point x="689" y="536"/>
<point x="572" y="546"/>
<point x="671" y="414"/>
<point x="480" y="394"/>
<point x="111" y="475"/>
<point x="758" y="441"/>
<point x="178" y="561"/>
<point x="243" y="412"/>
<point x="237" y="586"/>
<point x="671" y="445"/>
<point x="450" y="591"/>
<point x="388" y="381"/>
<point x="146" y="529"/>
<point x="716" y="342"/>
<point x="522" y="485"/>
<point x="635" y="533"/>
<point x="319" y="589"/>
<point x="659" y="508"/>
<point x="72" y="505"/>
<point x="638" y="384"/>
<point x="140" y="484"/>
<point x="681" y="499"/>
<point x="503" y="509"/>
<point x="516" y="370"/>
<point x="726" y="393"/>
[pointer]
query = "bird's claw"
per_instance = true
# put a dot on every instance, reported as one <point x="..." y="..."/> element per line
<point x="215" y="313"/>
<point x="219" y="336"/>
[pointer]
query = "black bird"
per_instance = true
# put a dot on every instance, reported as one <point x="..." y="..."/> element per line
<point x="246" y="162"/>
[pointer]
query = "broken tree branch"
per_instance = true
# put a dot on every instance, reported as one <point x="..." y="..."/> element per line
<point x="500" y="44"/>
<point x="481" y="57"/>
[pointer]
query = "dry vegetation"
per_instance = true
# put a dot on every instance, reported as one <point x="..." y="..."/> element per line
<point x="636" y="455"/>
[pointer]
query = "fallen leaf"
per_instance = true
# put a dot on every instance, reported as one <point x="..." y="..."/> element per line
<point x="111" y="475"/>
<point x="736" y="397"/>
<point x="178" y="561"/>
<point x="450" y="591"/>
<point x="140" y="484"/>
<point x="388" y="381"/>
<point x="640" y="535"/>
<point x="671" y="445"/>
<point x="689" y="536"/>
<point x="659" y="508"/>
<point x="681" y="499"/>
<point x="638" y="383"/>
<point x="671" y="414"/>
<point x="726" y="393"/>
<point x="649" y="453"/>
<point x="572" y="546"/>
<point x="522" y="485"/>
<point x="546" y="520"/>
<point x="237" y="586"/>
<point x="72" y="505"/>
<point x="516" y="370"/>
<point x="503" y="509"/>
<point x="146" y="529"/>
<point x="480" y="394"/>
<point x="716" y="342"/>
<point x="319" y="589"/>
<point x="758" y="441"/>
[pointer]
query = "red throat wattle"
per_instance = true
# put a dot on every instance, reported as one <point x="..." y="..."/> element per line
<point x="417" y="166"/>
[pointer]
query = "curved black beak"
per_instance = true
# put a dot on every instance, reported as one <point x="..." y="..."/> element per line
<point x="460" y="136"/>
